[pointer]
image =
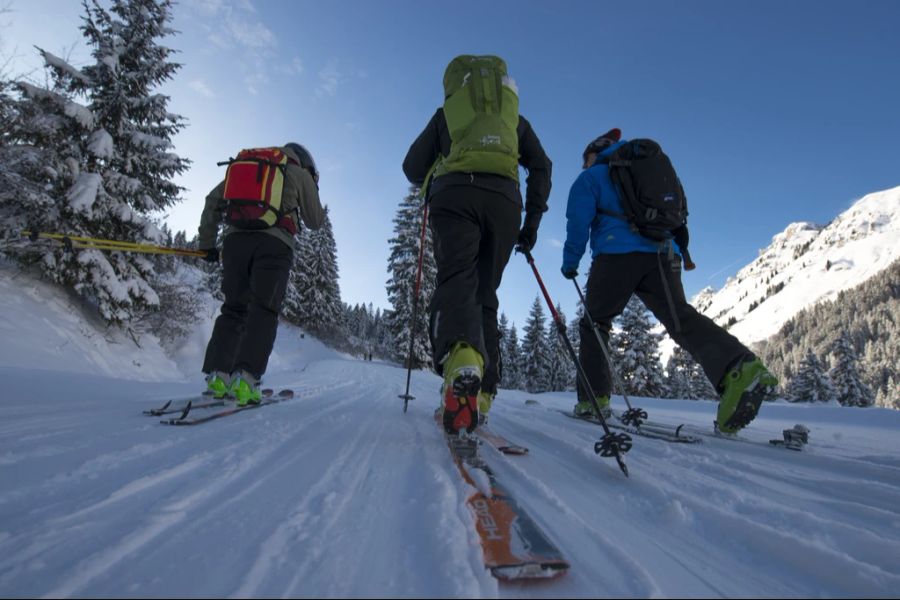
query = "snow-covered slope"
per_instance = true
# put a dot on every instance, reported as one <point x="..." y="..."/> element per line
<point x="806" y="264"/>
<point x="338" y="493"/>
<point x="46" y="329"/>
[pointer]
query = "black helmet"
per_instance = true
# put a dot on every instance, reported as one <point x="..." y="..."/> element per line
<point x="306" y="159"/>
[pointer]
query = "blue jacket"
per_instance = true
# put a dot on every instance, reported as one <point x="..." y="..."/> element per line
<point x="593" y="190"/>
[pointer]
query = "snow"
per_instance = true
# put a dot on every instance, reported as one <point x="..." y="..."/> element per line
<point x="80" y="113"/>
<point x="62" y="65"/>
<point x="338" y="493"/>
<point x="101" y="144"/>
<point x="811" y="264"/>
<point x="84" y="192"/>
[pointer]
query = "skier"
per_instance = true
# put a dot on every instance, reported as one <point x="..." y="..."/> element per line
<point x="257" y="253"/>
<point x="467" y="162"/>
<point x="626" y="262"/>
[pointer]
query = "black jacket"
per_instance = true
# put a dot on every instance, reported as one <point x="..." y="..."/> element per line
<point x="435" y="139"/>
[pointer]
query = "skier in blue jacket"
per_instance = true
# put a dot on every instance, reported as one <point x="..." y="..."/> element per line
<point x="626" y="263"/>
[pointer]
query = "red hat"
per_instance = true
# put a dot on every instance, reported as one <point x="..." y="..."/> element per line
<point x="604" y="141"/>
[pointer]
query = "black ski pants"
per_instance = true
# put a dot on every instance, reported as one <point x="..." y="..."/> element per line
<point x="612" y="281"/>
<point x="255" y="269"/>
<point x="474" y="232"/>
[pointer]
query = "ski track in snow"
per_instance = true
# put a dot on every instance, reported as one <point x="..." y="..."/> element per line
<point x="337" y="493"/>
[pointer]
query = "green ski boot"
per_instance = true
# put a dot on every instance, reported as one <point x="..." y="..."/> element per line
<point x="245" y="388"/>
<point x="463" y="370"/>
<point x="744" y="388"/>
<point x="585" y="409"/>
<point x="218" y="385"/>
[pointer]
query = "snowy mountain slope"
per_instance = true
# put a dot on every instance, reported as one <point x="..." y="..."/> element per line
<point x="339" y="494"/>
<point x="46" y="329"/>
<point x="806" y="264"/>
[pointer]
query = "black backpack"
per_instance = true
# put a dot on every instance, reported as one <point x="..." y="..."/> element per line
<point x="651" y="193"/>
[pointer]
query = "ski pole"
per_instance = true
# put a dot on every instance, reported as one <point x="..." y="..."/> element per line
<point x="633" y="416"/>
<point x="611" y="444"/>
<point x="74" y="241"/>
<point x="415" y="312"/>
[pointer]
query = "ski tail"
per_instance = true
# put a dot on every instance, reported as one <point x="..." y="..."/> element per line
<point x="513" y="545"/>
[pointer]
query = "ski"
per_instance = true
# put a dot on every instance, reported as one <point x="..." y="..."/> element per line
<point x="499" y="442"/>
<point x="200" y="401"/>
<point x="656" y="432"/>
<point x="513" y="545"/>
<point x="793" y="439"/>
<point x="184" y="420"/>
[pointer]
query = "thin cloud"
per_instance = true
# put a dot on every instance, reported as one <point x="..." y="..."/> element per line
<point x="329" y="80"/>
<point x="555" y="242"/>
<point x="294" y="67"/>
<point x="199" y="86"/>
<point x="250" y="35"/>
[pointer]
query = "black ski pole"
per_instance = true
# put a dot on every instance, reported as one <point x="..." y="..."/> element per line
<point x="415" y="312"/>
<point x="632" y="416"/>
<point x="611" y="444"/>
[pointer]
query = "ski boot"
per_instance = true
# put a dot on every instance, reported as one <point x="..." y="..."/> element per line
<point x="743" y="389"/>
<point x="245" y="388"/>
<point x="218" y="385"/>
<point x="585" y="409"/>
<point x="485" y="399"/>
<point x="463" y="369"/>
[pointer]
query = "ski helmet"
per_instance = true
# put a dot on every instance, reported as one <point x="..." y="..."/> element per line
<point x="306" y="159"/>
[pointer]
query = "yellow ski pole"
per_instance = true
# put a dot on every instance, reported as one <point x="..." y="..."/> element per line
<point x="76" y="241"/>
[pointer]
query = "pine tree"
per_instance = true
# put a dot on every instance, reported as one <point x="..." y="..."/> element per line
<point x="844" y="374"/>
<point x="513" y="378"/>
<point x="574" y="333"/>
<point x="637" y="351"/>
<point x="560" y="370"/>
<point x="313" y="297"/>
<point x="535" y="353"/>
<point x="811" y="383"/>
<point x="403" y="265"/>
<point x="701" y="387"/>
<point x="678" y="378"/>
<point x="101" y="169"/>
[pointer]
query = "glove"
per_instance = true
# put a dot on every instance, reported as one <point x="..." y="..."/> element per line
<point x="212" y="255"/>
<point x="527" y="238"/>
<point x="569" y="272"/>
<point x="528" y="233"/>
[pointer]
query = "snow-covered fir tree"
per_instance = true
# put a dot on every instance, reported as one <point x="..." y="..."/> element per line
<point x="364" y="331"/>
<point x="511" y="353"/>
<point x="685" y="378"/>
<point x="811" y="382"/>
<point x="90" y="155"/>
<point x="678" y="379"/>
<point x="701" y="386"/>
<point x="403" y="266"/>
<point x="535" y="353"/>
<point x="313" y="297"/>
<point x="636" y="351"/>
<point x="560" y="370"/>
<point x="848" y="385"/>
<point x="574" y="333"/>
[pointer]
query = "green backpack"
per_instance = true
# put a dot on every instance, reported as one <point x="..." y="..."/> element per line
<point x="481" y="105"/>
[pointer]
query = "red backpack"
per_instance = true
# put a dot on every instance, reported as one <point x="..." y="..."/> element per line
<point x="254" y="184"/>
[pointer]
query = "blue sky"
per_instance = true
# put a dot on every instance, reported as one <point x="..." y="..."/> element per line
<point x="772" y="112"/>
